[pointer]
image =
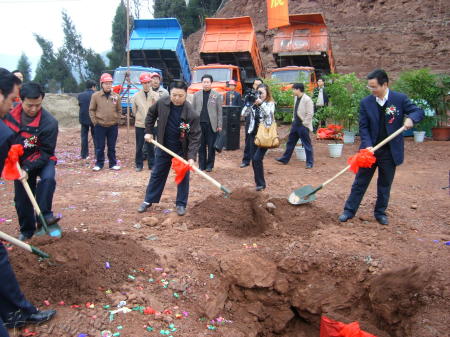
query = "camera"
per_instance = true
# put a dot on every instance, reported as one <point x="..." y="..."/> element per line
<point x="250" y="97"/>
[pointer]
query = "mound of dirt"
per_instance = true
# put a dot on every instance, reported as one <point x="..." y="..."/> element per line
<point x="78" y="267"/>
<point x="242" y="214"/>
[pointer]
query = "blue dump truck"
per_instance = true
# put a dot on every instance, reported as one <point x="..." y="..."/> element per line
<point x="128" y="87"/>
<point x="159" y="43"/>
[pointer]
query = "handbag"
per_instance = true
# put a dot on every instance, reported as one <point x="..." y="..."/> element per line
<point x="267" y="137"/>
<point x="220" y="141"/>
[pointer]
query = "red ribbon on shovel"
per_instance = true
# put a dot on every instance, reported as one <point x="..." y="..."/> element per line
<point x="180" y="169"/>
<point x="364" y="158"/>
<point x="10" y="170"/>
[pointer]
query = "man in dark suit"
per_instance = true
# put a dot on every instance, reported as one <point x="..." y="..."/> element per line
<point x="232" y="97"/>
<point x="15" y="310"/>
<point x="380" y="115"/>
<point x="84" y="99"/>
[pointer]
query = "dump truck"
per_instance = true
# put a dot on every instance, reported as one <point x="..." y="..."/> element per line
<point x="159" y="43"/>
<point x="294" y="74"/>
<point x="305" y="43"/>
<point x="229" y="51"/>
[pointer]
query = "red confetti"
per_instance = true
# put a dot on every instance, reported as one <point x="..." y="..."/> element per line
<point x="167" y="312"/>
<point x="27" y="333"/>
<point x="47" y="303"/>
<point x="364" y="158"/>
<point x="61" y="303"/>
<point x="149" y="311"/>
<point x="75" y="306"/>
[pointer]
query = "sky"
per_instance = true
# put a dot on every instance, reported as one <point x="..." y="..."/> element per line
<point x="19" y="19"/>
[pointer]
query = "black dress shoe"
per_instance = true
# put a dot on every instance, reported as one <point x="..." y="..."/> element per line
<point x="181" y="210"/>
<point x="280" y="161"/>
<point x="19" y="319"/>
<point x="208" y="169"/>
<point x="344" y="217"/>
<point x="23" y="237"/>
<point x="51" y="220"/>
<point x="260" y="188"/>
<point x="309" y="166"/>
<point x="144" y="207"/>
<point x="138" y="169"/>
<point x="382" y="219"/>
<point x="244" y="165"/>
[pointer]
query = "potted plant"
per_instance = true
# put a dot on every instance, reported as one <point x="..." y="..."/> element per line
<point x="300" y="151"/>
<point x="345" y="93"/>
<point x="283" y="98"/>
<point x="441" y="131"/>
<point x="334" y="132"/>
<point x="423" y="128"/>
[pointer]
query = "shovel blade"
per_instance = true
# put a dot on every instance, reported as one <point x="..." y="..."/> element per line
<point x="298" y="196"/>
<point x="54" y="231"/>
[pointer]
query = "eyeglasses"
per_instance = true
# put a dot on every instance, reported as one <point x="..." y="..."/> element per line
<point x="371" y="88"/>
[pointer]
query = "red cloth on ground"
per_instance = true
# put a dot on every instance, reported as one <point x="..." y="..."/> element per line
<point x="332" y="328"/>
<point x="10" y="170"/>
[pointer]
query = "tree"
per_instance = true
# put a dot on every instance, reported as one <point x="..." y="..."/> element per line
<point x="46" y="66"/>
<point x="24" y="67"/>
<point x="63" y="73"/>
<point x="95" y="65"/>
<point x="73" y="46"/>
<point x="119" y="37"/>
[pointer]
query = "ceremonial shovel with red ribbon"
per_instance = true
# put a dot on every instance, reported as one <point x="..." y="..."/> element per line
<point x="364" y="158"/>
<point x="11" y="171"/>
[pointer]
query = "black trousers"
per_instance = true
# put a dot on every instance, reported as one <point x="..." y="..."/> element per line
<point x="106" y="135"/>
<point x="84" y="139"/>
<point x="257" y="162"/>
<point x="12" y="299"/>
<point x="207" y="152"/>
<point x="158" y="179"/>
<point x="248" y="153"/>
<point x="386" y="172"/>
<point x="302" y="132"/>
<point x="43" y="191"/>
<point x="142" y="146"/>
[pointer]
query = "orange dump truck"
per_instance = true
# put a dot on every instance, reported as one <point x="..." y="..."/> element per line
<point x="229" y="51"/>
<point x="305" y="43"/>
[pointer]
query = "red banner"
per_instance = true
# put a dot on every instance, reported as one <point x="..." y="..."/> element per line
<point x="277" y="13"/>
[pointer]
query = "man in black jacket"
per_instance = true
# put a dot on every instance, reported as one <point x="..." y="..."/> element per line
<point x="179" y="131"/>
<point x="37" y="130"/>
<point x="84" y="99"/>
<point x="15" y="310"/>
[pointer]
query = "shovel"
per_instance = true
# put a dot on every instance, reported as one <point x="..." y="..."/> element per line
<point x="196" y="169"/>
<point x="24" y="245"/>
<point x="53" y="230"/>
<point x="307" y="193"/>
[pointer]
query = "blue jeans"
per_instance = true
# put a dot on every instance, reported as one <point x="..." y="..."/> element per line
<point x="106" y="135"/>
<point x="43" y="191"/>
<point x="386" y="172"/>
<point x="11" y="298"/>
<point x="158" y="178"/>
<point x="84" y="139"/>
<point x="302" y="132"/>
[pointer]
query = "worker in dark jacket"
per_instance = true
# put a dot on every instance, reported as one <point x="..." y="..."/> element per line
<point x="84" y="99"/>
<point x="15" y="310"/>
<point x="232" y="97"/>
<point x="179" y="131"/>
<point x="37" y="130"/>
<point x="380" y="115"/>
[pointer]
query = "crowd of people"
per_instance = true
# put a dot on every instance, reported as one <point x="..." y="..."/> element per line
<point x="188" y="129"/>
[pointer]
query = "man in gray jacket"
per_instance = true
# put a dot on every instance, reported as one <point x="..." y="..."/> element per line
<point x="208" y="104"/>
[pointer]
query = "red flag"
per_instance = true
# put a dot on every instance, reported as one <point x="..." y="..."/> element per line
<point x="277" y="13"/>
<point x="11" y="171"/>
<point x="180" y="169"/>
<point x="364" y="158"/>
<point x="332" y="328"/>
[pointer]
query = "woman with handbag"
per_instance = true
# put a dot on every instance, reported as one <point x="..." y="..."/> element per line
<point x="262" y="131"/>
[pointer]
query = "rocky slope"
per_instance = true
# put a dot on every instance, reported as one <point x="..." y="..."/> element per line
<point x="395" y="35"/>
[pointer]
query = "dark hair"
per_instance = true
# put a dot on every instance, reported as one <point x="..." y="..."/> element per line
<point x="178" y="85"/>
<point x="7" y="82"/>
<point x="208" y="76"/>
<point x="320" y="79"/>
<point x="90" y="84"/>
<point x="31" y="90"/>
<point x="258" y="79"/>
<point x="299" y="86"/>
<point x="380" y="75"/>
<point x="16" y="71"/>
<point x="269" y="97"/>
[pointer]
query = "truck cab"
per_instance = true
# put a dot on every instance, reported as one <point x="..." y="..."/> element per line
<point x="221" y="74"/>
<point x="126" y="86"/>
<point x="294" y="74"/>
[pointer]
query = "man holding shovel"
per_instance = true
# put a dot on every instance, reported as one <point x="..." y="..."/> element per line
<point x="380" y="115"/>
<point x="15" y="310"/>
<point x="179" y="131"/>
<point x="37" y="130"/>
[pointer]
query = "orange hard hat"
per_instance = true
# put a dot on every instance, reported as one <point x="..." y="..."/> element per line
<point x="145" y="77"/>
<point x="232" y="82"/>
<point x="106" y="78"/>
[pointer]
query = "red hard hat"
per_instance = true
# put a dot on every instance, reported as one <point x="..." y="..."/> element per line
<point x="106" y="78"/>
<point x="155" y="74"/>
<point x="145" y="77"/>
<point x="232" y="82"/>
